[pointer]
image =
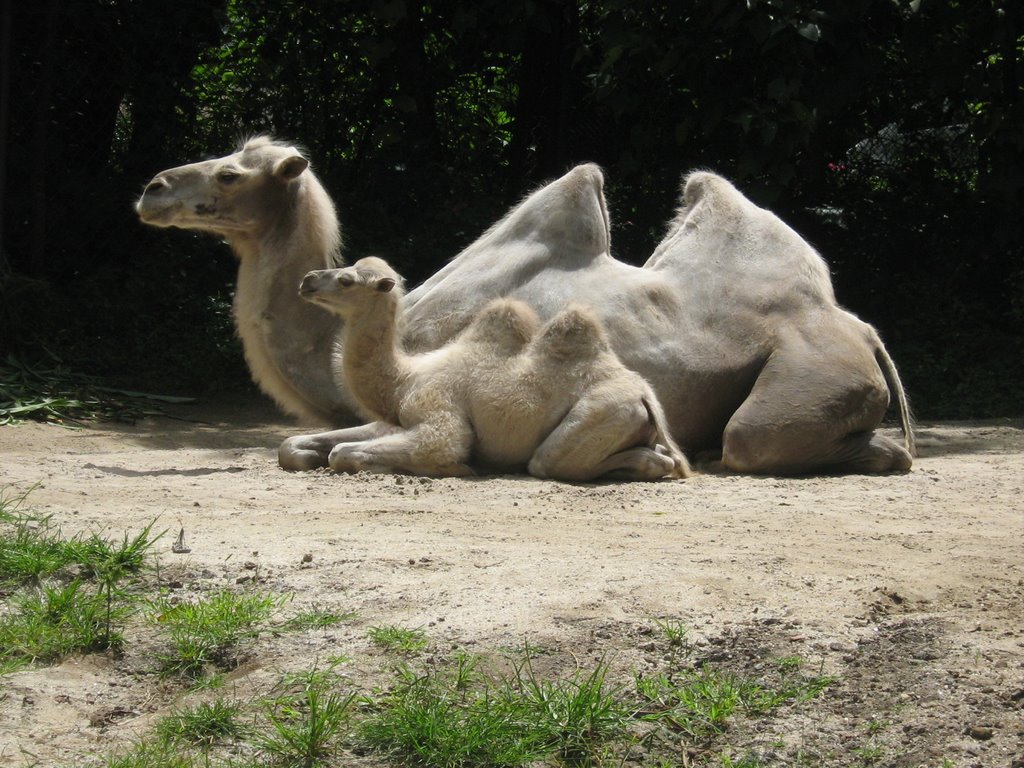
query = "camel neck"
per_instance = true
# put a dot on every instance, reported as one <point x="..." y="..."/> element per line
<point x="374" y="366"/>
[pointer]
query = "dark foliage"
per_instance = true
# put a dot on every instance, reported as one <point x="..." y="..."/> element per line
<point x="889" y="132"/>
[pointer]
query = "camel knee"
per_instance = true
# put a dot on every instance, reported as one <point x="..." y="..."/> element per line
<point x="743" y="451"/>
<point x="538" y="467"/>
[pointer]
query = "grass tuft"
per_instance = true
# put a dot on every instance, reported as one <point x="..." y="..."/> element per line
<point x="453" y="719"/>
<point x="575" y="715"/>
<point x="47" y="624"/>
<point x="206" y="635"/>
<point x="700" y="702"/>
<point x="204" y="725"/>
<point x="424" y="722"/>
<point x="306" y="728"/>
<point x="398" y="639"/>
<point x="66" y="595"/>
<point x="675" y="631"/>
<point x="315" y="619"/>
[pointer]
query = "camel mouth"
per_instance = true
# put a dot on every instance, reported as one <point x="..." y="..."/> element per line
<point x="159" y="216"/>
<point x="309" y="292"/>
<point x="156" y="214"/>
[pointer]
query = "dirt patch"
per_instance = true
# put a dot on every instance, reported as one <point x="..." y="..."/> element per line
<point x="908" y="589"/>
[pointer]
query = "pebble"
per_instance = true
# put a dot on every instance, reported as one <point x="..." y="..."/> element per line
<point x="836" y="645"/>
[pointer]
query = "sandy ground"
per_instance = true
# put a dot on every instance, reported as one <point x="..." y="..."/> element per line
<point x="909" y="588"/>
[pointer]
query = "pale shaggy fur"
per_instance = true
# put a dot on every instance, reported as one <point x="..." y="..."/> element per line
<point x="280" y="223"/>
<point x="506" y="394"/>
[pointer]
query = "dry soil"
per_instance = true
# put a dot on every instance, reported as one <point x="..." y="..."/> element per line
<point x="909" y="588"/>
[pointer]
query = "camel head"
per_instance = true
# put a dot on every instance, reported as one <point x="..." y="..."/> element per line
<point x="241" y="193"/>
<point x="348" y="290"/>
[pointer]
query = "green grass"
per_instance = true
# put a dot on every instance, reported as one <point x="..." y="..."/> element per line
<point x="457" y="716"/>
<point x="451" y="719"/>
<point x="426" y="721"/>
<point x="870" y="754"/>
<point x="305" y="731"/>
<point x="30" y="548"/>
<point x="204" y="725"/>
<point x="295" y="684"/>
<point x="700" y="702"/>
<point x="30" y="552"/>
<point x="56" y="621"/>
<point x="577" y="714"/>
<point x="315" y="619"/>
<point x="33" y="548"/>
<point x="746" y="761"/>
<point x="674" y="631"/>
<point x="398" y="639"/>
<point x="206" y="635"/>
<point x="876" y="726"/>
<point x="65" y="595"/>
<point x="156" y="753"/>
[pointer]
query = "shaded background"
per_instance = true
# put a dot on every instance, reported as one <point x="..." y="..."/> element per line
<point x="889" y="132"/>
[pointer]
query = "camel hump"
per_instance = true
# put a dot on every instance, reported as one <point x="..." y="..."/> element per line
<point x="704" y="185"/>
<point x="575" y="332"/>
<point x="586" y="179"/>
<point x="504" y="323"/>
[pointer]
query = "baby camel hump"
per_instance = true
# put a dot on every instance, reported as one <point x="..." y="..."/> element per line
<point x="519" y="395"/>
<point x="504" y="325"/>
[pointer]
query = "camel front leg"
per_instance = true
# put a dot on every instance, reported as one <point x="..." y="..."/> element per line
<point x="305" y="452"/>
<point x="436" y="449"/>
<point x="603" y="437"/>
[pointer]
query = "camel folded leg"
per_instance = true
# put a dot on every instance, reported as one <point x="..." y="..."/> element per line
<point x="602" y="437"/>
<point x="305" y="452"/>
<point x="435" y="449"/>
<point x="815" y="410"/>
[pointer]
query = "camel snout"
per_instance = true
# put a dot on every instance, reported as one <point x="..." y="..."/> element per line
<point x="157" y="186"/>
<point x="155" y="206"/>
<point x="312" y="282"/>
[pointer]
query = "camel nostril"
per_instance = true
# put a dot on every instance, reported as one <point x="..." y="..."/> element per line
<point x="156" y="186"/>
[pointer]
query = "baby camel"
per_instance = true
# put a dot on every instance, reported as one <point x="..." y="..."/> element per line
<point x="504" y="395"/>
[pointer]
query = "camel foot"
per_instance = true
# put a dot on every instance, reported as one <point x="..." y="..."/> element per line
<point x="295" y="459"/>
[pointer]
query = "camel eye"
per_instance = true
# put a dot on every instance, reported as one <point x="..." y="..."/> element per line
<point x="346" y="280"/>
<point x="228" y="177"/>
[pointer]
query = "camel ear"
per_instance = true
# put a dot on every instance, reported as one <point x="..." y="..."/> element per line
<point x="385" y="284"/>
<point x="291" y="167"/>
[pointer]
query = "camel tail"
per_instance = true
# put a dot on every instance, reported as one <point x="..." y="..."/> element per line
<point x="664" y="438"/>
<point x="892" y="380"/>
